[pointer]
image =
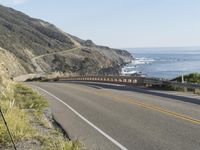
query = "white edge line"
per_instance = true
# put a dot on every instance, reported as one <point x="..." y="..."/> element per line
<point x="87" y="121"/>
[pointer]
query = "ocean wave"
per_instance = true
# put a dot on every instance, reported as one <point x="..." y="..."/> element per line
<point x="142" y="60"/>
<point x="132" y="67"/>
<point x="172" y="60"/>
<point x="125" y="71"/>
<point x="163" y="65"/>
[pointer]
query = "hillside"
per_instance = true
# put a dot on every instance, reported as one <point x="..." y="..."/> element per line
<point x="9" y="64"/>
<point x="40" y="47"/>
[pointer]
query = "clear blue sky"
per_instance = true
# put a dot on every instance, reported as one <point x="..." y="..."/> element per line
<point x="121" y="23"/>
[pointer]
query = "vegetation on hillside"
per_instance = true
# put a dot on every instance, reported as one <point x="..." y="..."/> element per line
<point x="192" y="78"/>
<point x="10" y="63"/>
<point x="19" y="31"/>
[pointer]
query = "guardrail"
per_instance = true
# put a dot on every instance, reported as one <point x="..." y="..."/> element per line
<point x="136" y="81"/>
<point x="108" y="79"/>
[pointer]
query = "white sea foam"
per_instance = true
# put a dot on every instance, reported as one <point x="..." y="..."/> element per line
<point x="141" y="61"/>
<point x="126" y="72"/>
<point x="131" y="68"/>
<point x="167" y="63"/>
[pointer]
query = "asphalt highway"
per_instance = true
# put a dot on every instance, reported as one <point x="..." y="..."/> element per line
<point x="112" y="117"/>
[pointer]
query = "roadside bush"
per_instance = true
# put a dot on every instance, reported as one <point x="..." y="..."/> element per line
<point x="17" y="119"/>
<point x="26" y="98"/>
<point x="192" y="78"/>
<point x="18" y="122"/>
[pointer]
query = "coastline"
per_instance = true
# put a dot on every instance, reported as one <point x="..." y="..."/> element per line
<point x="165" y="65"/>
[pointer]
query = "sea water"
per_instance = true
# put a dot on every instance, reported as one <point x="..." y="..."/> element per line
<point x="164" y="63"/>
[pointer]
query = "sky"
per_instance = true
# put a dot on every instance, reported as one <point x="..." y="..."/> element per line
<point x="121" y="23"/>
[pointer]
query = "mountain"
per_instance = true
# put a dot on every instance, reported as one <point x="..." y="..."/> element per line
<point x="29" y="45"/>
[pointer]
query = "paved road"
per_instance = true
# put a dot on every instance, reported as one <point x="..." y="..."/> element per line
<point x="112" y="117"/>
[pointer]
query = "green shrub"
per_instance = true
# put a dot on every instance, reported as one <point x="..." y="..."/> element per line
<point x="192" y="78"/>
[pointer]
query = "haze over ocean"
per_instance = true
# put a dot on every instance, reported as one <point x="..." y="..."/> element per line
<point x="164" y="62"/>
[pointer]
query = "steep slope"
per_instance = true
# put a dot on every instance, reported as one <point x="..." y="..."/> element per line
<point x="40" y="47"/>
<point x="9" y="64"/>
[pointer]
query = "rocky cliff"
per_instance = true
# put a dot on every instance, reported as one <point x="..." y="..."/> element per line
<point x="35" y="46"/>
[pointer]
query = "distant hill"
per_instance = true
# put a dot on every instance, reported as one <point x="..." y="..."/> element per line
<point x="40" y="47"/>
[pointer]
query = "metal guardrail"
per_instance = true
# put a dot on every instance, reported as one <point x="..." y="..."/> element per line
<point x="107" y="79"/>
<point x="137" y="81"/>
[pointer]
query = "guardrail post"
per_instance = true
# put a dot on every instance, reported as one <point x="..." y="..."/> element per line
<point x="196" y="91"/>
<point x="111" y="79"/>
<point x="185" y="89"/>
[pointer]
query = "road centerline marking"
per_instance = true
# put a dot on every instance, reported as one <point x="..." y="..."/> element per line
<point x="160" y="109"/>
<point x="84" y="119"/>
<point x="142" y="104"/>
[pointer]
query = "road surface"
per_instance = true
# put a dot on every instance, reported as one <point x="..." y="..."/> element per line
<point x="112" y="117"/>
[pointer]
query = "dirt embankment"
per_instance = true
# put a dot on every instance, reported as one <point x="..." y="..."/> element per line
<point x="10" y="64"/>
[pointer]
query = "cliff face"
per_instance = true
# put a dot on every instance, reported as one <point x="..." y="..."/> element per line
<point x="40" y="47"/>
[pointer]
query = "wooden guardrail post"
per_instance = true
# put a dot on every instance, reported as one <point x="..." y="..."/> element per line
<point x="185" y="89"/>
<point x="111" y="79"/>
<point x="196" y="91"/>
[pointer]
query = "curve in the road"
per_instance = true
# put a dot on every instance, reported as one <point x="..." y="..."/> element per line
<point x="87" y="121"/>
<point x="145" y="105"/>
<point x="133" y="119"/>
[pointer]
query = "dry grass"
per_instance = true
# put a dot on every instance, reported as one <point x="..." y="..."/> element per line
<point x="23" y="108"/>
<point x="26" y="98"/>
<point x="18" y="122"/>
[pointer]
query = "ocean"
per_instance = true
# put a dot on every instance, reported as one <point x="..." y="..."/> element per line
<point x="164" y="62"/>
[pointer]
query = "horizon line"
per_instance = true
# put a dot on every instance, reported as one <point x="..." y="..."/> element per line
<point x="138" y="47"/>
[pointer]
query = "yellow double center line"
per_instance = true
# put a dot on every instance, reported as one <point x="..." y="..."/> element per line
<point x="142" y="104"/>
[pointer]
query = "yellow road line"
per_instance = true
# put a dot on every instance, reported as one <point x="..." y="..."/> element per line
<point x="142" y="104"/>
<point x="196" y="121"/>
